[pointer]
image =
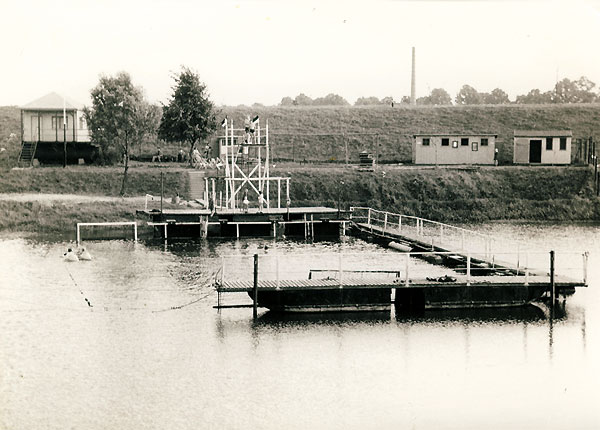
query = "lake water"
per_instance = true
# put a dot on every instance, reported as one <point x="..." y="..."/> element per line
<point x="130" y="340"/>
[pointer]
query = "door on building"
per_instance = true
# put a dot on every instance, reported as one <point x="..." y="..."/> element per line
<point x="535" y="151"/>
<point x="35" y="135"/>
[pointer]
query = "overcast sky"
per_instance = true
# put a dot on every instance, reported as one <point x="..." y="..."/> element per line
<point x="251" y="51"/>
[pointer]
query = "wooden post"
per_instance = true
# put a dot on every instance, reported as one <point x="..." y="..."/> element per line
<point x="400" y="223"/>
<point x="255" y="289"/>
<point x="135" y="232"/>
<point x="552" y="286"/>
<point x="161" y="193"/>
<point x="468" y="268"/>
<point x="406" y="258"/>
<point x="78" y="235"/>
<point x="340" y="269"/>
<point x="585" y="266"/>
<point x="277" y="271"/>
<point x="526" y="268"/>
<point x="385" y="219"/>
<point x="369" y="217"/>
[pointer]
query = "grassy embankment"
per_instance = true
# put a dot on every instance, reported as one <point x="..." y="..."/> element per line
<point x="47" y="216"/>
<point x="320" y="134"/>
<point x="450" y="195"/>
<point x="317" y="133"/>
<point x="454" y="195"/>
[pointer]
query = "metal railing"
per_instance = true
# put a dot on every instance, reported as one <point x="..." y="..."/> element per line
<point x="440" y="235"/>
<point x="406" y="266"/>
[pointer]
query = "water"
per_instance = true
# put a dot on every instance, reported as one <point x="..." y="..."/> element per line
<point x="130" y="340"/>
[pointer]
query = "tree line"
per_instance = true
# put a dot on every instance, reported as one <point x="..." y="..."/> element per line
<point x="581" y="90"/>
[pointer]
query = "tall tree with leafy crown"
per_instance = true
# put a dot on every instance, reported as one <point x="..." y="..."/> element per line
<point x="114" y="118"/>
<point x="190" y="116"/>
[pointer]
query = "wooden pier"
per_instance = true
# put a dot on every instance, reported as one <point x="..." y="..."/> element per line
<point x="307" y="222"/>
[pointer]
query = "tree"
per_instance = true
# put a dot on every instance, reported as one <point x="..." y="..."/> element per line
<point x="302" y="100"/>
<point x="367" y="101"/>
<point x="114" y="118"/>
<point x="147" y="120"/>
<point x="405" y="100"/>
<point x="535" y="96"/>
<point x="579" y="91"/>
<point x="387" y="101"/>
<point x="190" y="116"/>
<point x="468" y="96"/>
<point x="496" y="97"/>
<point x="286" y="101"/>
<point x="331" y="100"/>
<point x="440" y="96"/>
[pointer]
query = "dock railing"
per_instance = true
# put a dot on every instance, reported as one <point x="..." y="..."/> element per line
<point x="436" y="234"/>
<point x="278" y="269"/>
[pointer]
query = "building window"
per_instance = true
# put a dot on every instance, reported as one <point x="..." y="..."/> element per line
<point x="563" y="143"/>
<point x="57" y="122"/>
<point x="425" y="141"/>
<point x="474" y="146"/>
<point x="464" y="141"/>
<point x="445" y="141"/>
<point x="484" y="141"/>
<point x="548" y="144"/>
<point x="455" y="143"/>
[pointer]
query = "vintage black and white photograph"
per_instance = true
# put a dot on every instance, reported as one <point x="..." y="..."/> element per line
<point x="261" y="214"/>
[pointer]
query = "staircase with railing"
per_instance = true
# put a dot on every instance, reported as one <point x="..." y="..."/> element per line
<point x="27" y="154"/>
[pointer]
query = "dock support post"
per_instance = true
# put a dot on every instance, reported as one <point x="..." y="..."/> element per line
<point x="400" y="224"/>
<point x="468" y="268"/>
<point x="134" y="232"/>
<point x="340" y="269"/>
<point x="277" y="271"/>
<point x="385" y="219"/>
<point x="255" y="289"/>
<point x="78" y="235"/>
<point x="585" y="266"/>
<point x="527" y="268"/>
<point x="237" y="231"/>
<point x="552" y="286"/>
<point x="406" y="258"/>
<point x="162" y="189"/>
<point x="369" y="217"/>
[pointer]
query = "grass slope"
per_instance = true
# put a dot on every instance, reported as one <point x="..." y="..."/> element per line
<point x="454" y="195"/>
<point x="93" y="180"/>
<point x="306" y="132"/>
<point x="329" y="133"/>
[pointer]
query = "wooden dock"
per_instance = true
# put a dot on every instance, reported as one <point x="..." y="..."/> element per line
<point x="329" y="284"/>
<point x="307" y="222"/>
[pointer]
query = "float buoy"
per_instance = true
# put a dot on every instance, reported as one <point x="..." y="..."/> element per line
<point x="84" y="255"/>
<point x="70" y="256"/>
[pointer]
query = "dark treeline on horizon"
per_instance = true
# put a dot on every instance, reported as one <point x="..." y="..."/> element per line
<point x="581" y="90"/>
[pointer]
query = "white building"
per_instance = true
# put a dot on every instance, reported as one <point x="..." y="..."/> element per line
<point x="542" y="147"/>
<point x="435" y="148"/>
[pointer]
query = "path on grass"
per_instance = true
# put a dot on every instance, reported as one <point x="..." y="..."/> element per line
<point x="70" y="198"/>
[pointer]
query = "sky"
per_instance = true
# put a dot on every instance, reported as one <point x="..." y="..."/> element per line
<point x="261" y="51"/>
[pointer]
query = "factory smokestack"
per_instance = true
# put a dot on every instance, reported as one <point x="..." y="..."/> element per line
<point x="413" y="95"/>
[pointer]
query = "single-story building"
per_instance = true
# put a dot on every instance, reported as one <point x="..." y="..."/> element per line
<point x="437" y="148"/>
<point x="43" y="125"/>
<point x="542" y="147"/>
